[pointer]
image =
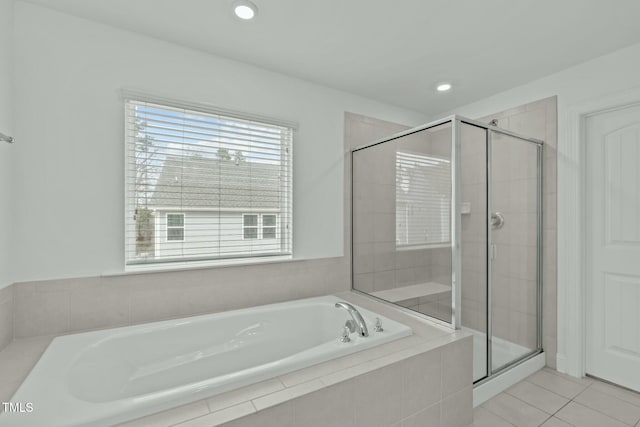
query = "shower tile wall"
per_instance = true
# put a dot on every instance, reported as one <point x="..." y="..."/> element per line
<point x="378" y="265"/>
<point x="370" y="264"/>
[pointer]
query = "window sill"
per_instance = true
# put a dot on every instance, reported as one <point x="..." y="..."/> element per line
<point x="198" y="265"/>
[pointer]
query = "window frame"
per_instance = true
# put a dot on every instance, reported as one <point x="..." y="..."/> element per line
<point x="274" y="226"/>
<point x="260" y="226"/>
<point x="183" y="227"/>
<point x="256" y="227"/>
<point x="284" y="234"/>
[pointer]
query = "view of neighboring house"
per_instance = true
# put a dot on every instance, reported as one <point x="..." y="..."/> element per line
<point x="212" y="207"/>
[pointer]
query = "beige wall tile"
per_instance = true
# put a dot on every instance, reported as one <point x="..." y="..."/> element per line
<point x="40" y="312"/>
<point x="429" y="417"/>
<point x="457" y="366"/>
<point x="457" y="409"/>
<point x="63" y="306"/>
<point x="331" y="406"/>
<point x="378" y="401"/>
<point x="421" y="380"/>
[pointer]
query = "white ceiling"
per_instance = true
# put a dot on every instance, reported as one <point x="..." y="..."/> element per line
<point x="391" y="50"/>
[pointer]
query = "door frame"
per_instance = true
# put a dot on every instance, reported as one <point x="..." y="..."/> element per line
<point x="572" y="253"/>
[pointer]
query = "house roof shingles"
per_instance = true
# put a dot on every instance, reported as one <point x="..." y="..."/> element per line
<point x="202" y="182"/>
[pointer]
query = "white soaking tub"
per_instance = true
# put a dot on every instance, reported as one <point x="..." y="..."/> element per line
<point x="105" y="377"/>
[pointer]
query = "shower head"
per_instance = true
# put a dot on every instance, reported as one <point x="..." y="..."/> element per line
<point x="494" y="122"/>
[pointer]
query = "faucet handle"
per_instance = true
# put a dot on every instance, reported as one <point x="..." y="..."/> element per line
<point x="345" y="335"/>
<point x="351" y="325"/>
<point x="378" y="326"/>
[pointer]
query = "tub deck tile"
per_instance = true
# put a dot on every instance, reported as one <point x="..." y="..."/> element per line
<point x="171" y="417"/>
<point x="221" y="417"/>
<point x="244" y="394"/>
<point x="287" y="394"/>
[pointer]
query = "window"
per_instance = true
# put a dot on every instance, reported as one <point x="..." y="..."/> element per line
<point x="423" y="200"/>
<point x="175" y="227"/>
<point x="269" y="226"/>
<point x="250" y="225"/>
<point x="207" y="170"/>
<point x="261" y="227"/>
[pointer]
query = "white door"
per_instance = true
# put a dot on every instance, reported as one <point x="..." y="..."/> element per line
<point x="613" y="246"/>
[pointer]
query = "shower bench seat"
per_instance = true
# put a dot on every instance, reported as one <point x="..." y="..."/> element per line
<point x="429" y="291"/>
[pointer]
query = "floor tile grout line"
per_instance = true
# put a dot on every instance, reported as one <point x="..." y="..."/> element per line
<point x="611" y="396"/>
<point x="546" y="419"/>
<point x="570" y="400"/>
<point x="548" y="389"/>
<point x="568" y="377"/>
<point x="505" y="420"/>
<point x="532" y="405"/>
<point x="600" y="412"/>
<point x="544" y="388"/>
<point x="563" y="406"/>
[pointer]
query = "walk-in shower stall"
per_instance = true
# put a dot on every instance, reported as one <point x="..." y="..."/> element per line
<point x="447" y="221"/>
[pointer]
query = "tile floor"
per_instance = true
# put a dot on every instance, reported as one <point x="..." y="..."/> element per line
<point x="551" y="399"/>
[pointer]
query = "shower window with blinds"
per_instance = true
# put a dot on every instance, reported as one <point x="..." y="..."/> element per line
<point x="423" y="200"/>
<point x="204" y="185"/>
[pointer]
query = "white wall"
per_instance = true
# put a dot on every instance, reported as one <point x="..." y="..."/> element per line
<point x="616" y="72"/>
<point x="6" y="151"/>
<point x="69" y="167"/>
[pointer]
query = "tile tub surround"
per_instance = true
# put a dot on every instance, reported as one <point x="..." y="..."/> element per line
<point x="429" y="374"/>
<point x="55" y="307"/>
<point x="6" y="316"/>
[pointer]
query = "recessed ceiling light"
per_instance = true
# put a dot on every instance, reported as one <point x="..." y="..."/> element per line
<point x="245" y="10"/>
<point x="443" y="87"/>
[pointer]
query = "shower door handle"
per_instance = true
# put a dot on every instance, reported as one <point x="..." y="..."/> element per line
<point x="497" y="220"/>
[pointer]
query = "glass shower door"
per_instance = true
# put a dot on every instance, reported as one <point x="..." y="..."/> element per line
<point x="514" y="233"/>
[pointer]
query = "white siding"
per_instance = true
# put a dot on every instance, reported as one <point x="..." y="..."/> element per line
<point x="211" y="234"/>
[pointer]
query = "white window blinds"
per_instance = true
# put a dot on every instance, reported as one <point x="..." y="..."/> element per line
<point x="204" y="186"/>
<point x="423" y="199"/>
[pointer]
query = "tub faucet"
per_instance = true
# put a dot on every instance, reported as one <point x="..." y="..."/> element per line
<point x="361" y="326"/>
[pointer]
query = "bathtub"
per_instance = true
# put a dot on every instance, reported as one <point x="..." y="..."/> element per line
<point x="105" y="377"/>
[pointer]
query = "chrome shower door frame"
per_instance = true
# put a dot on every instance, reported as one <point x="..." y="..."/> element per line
<point x="490" y="130"/>
<point x="456" y="234"/>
